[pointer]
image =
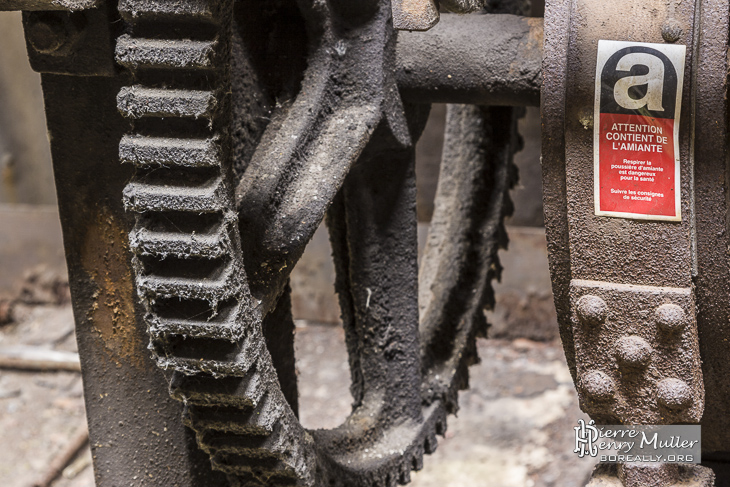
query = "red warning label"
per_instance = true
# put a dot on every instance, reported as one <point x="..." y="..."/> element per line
<point x="638" y="97"/>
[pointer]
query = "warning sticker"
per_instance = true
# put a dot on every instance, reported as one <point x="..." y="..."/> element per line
<point x="636" y="129"/>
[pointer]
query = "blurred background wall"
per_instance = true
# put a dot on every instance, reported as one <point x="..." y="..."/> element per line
<point x="25" y="160"/>
<point x="30" y="233"/>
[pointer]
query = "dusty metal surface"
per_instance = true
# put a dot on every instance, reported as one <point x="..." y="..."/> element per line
<point x="415" y="14"/>
<point x="614" y="475"/>
<point x="255" y="438"/>
<point x="711" y="221"/>
<point x="641" y="304"/>
<point x="240" y="149"/>
<point x="637" y="356"/>
<point x="334" y="142"/>
<point x="552" y="108"/>
<point x="448" y="65"/>
<point x="45" y="5"/>
<point x="134" y="425"/>
<point x="75" y="43"/>
<point x="235" y="151"/>
<point x="611" y="250"/>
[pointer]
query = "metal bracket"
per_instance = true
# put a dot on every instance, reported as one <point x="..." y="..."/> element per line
<point x="78" y="43"/>
<point x="637" y="353"/>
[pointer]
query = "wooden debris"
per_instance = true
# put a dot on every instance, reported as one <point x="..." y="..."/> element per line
<point x="36" y="358"/>
<point x="61" y="461"/>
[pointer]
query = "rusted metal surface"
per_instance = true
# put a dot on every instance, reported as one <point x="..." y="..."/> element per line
<point x="134" y="425"/>
<point x="712" y="282"/>
<point x="667" y="475"/>
<point x="612" y="251"/>
<point x="641" y="304"/>
<point x="637" y="356"/>
<point x="555" y="204"/>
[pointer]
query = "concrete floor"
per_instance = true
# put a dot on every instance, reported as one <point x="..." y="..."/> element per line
<point x="514" y="429"/>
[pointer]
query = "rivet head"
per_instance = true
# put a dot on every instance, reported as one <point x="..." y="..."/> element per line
<point x="598" y="385"/>
<point x="674" y="394"/>
<point x="592" y="310"/>
<point x="46" y="31"/>
<point x="672" y="30"/>
<point x="633" y="352"/>
<point x="670" y="318"/>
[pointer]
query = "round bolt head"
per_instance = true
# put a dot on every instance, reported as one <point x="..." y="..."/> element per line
<point x="670" y="318"/>
<point x="674" y="394"/>
<point x="592" y="310"/>
<point x="633" y="352"/>
<point x="598" y="385"/>
<point x="46" y="33"/>
<point x="672" y="30"/>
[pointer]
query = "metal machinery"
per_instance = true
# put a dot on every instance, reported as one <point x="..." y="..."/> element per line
<point x="198" y="144"/>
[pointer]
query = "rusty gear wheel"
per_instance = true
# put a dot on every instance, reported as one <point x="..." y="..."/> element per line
<point x="241" y="149"/>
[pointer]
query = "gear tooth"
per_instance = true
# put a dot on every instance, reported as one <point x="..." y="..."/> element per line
<point x="461" y="381"/>
<point x="140" y="101"/>
<point x="227" y="324"/>
<point x="216" y="288"/>
<point x="257" y="421"/>
<point x="497" y="268"/>
<point x="154" y="152"/>
<point x="134" y="53"/>
<point x="441" y="426"/>
<point x="404" y="475"/>
<point x="431" y="443"/>
<point x="449" y="400"/>
<point x="514" y="176"/>
<point x="220" y="357"/>
<point x="209" y="245"/>
<point x="417" y="460"/>
<point x="471" y="352"/>
<point x="502" y="239"/>
<point x="143" y="197"/>
<point x="132" y="10"/>
<point x="207" y="390"/>
<point x="488" y="300"/>
<point x="481" y="325"/>
<point x="227" y="329"/>
<point x="186" y="247"/>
